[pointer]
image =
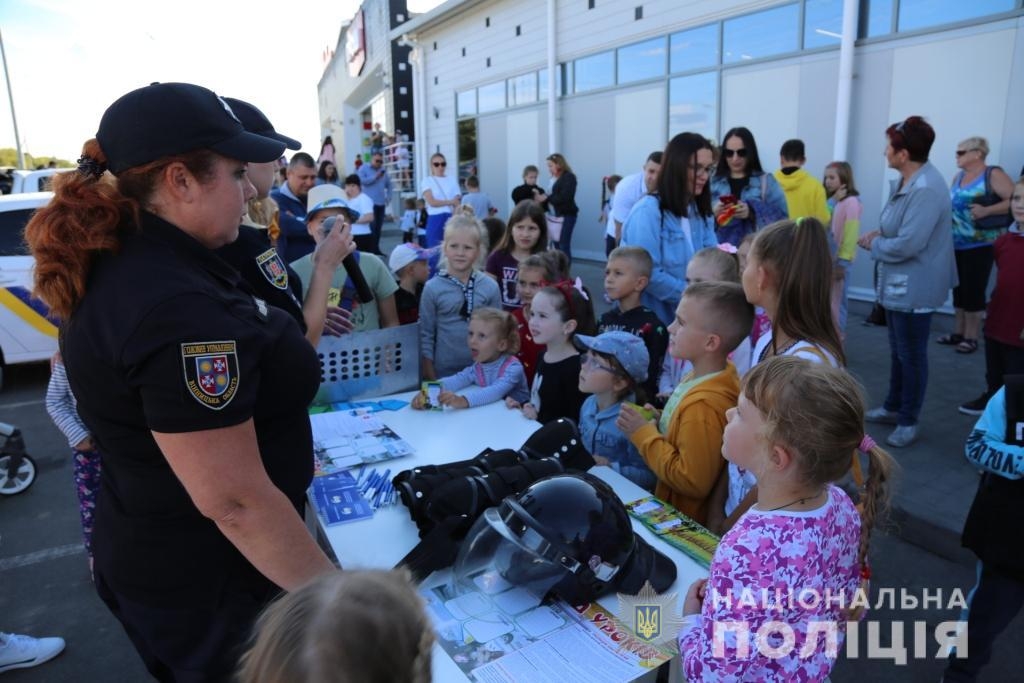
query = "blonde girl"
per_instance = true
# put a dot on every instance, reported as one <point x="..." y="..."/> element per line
<point x="343" y="626"/>
<point x="557" y="312"/>
<point x="845" y="205"/>
<point x="803" y="537"/>
<point x="525" y="235"/>
<point x="495" y="373"/>
<point x="450" y="297"/>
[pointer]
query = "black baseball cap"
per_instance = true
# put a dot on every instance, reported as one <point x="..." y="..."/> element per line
<point x="257" y="122"/>
<point x="165" y="119"/>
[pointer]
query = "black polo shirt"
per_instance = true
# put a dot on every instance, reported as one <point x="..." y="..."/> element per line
<point x="262" y="268"/>
<point x="168" y="338"/>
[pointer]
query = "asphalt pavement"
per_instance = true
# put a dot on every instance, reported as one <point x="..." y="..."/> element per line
<point x="46" y="588"/>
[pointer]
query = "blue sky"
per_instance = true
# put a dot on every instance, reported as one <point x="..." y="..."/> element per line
<point x="69" y="59"/>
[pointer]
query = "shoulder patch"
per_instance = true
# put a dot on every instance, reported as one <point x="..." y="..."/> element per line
<point x="272" y="267"/>
<point x="211" y="372"/>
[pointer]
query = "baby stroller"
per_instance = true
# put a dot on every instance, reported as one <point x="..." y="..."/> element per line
<point x="17" y="469"/>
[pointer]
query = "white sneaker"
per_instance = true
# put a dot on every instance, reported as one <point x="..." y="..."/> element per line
<point x="902" y="436"/>
<point x="22" y="652"/>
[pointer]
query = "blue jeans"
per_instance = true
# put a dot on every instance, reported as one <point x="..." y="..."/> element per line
<point x="908" y="373"/>
<point x="564" y="243"/>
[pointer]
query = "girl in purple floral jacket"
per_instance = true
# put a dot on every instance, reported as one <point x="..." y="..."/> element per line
<point x="789" y="571"/>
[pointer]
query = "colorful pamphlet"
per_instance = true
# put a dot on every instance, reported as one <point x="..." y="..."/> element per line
<point x="675" y="528"/>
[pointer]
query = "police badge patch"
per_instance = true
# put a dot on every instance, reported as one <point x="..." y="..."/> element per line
<point x="211" y="372"/>
<point x="272" y="267"/>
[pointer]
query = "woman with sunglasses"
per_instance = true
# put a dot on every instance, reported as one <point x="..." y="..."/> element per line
<point x="674" y="222"/>
<point x="913" y="248"/>
<point x="981" y="212"/>
<point x="441" y="194"/>
<point x="743" y="197"/>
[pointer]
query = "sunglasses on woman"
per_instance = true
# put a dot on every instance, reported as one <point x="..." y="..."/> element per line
<point x="730" y="153"/>
<point x="440" y="163"/>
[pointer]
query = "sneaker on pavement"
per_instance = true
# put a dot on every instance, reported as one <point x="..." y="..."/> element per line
<point x="975" y="407"/>
<point x="22" y="652"/>
<point x="902" y="436"/>
<point x="881" y="416"/>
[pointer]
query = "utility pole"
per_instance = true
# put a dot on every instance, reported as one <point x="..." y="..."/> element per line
<point x="10" y="96"/>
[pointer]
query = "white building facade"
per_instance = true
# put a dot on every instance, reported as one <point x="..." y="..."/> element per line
<point x="629" y="75"/>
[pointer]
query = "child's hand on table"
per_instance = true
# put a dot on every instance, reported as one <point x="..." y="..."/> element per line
<point x="419" y="401"/>
<point x="453" y="400"/>
<point x="529" y="411"/>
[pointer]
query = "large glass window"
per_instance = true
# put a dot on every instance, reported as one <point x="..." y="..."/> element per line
<point x="465" y="103"/>
<point x="467" y="149"/>
<point x="491" y="97"/>
<point x="542" y="85"/>
<point x="693" y="105"/>
<point x="916" y="14"/>
<point x="522" y="89"/>
<point x="879" y="20"/>
<point x="761" y="34"/>
<point x="823" y="23"/>
<point x="595" y="71"/>
<point x="641" y="61"/>
<point x="694" y="49"/>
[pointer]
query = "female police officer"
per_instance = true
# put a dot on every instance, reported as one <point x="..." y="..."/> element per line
<point x="195" y="389"/>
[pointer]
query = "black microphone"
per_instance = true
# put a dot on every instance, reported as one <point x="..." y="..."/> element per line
<point x="363" y="290"/>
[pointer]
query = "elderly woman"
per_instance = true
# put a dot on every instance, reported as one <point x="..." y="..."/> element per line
<point x="674" y="222"/>
<point x="195" y="389"/>
<point x="914" y="249"/>
<point x="981" y="213"/>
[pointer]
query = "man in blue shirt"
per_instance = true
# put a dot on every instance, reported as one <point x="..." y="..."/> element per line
<point x="377" y="186"/>
<point x="294" y="241"/>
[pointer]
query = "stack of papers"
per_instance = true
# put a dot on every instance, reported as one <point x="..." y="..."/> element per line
<point x="348" y="438"/>
<point x="337" y="499"/>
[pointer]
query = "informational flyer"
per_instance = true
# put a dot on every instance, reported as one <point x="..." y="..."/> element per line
<point x="348" y="438"/>
<point x="337" y="499"/>
<point x="502" y="633"/>
<point x="675" y="528"/>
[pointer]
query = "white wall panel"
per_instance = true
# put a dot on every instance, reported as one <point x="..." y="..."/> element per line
<point x="766" y="100"/>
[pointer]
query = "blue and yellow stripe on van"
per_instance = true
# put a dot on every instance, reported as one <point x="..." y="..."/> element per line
<point x="34" y="312"/>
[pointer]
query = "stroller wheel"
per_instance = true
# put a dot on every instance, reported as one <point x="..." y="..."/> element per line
<point x="13" y="483"/>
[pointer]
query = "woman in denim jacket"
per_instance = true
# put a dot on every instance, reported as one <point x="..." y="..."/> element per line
<point x="674" y="222"/>
<point x="759" y="200"/>
<point x="914" y="251"/>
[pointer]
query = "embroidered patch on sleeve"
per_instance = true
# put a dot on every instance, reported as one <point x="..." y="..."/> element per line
<point x="273" y="269"/>
<point x="211" y="372"/>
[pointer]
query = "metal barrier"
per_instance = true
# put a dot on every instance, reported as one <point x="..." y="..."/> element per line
<point x="368" y="364"/>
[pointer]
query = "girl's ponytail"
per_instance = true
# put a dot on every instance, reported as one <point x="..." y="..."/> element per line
<point x="80" y="221"/>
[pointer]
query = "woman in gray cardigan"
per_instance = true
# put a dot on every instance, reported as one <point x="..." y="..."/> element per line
<point x="914" y="250"/>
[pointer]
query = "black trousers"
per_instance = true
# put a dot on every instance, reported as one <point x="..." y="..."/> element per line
<point x="188" y="644"/>
<point x="994" y="602"/>
<point x="1001" y="360"/>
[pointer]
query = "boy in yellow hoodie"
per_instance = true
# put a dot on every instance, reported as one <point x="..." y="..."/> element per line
<point x="805" y="195"/>
<point x="683" y="445"/>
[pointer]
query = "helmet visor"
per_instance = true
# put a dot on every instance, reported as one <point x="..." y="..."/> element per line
<point x="496" y="555"/>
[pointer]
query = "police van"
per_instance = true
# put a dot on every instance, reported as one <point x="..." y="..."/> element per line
<point x="27" y="332"/>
